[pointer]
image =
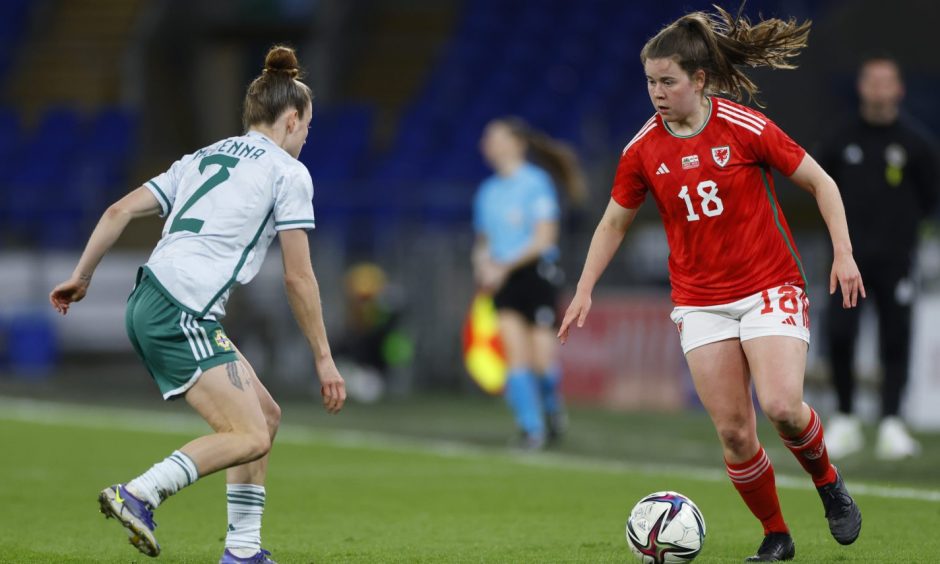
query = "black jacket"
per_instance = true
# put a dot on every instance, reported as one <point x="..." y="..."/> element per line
<point x="888" y="179"/>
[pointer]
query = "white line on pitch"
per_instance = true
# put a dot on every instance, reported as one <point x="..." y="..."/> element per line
<point x="55" y="413"/>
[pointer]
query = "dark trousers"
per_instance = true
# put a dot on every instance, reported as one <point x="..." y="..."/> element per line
<point x="888" y="284"/>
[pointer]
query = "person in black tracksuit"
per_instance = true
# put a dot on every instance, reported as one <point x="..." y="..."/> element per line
<point x="885" y="165"/>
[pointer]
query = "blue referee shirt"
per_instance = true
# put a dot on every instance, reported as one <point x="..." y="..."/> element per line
<point x="507" y="209"/>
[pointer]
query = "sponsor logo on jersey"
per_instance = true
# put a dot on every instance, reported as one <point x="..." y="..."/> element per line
<point x="690" y="161"/>
<point x="663" y="169"/>
<point x="222" y="340"/>
<point x="721" y="155"/>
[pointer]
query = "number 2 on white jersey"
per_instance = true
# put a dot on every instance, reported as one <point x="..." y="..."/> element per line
<point x="193" y="224"/>
<point x="711" y="203"/>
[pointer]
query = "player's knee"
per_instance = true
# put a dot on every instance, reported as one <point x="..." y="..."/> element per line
<point x="256" y="444"/>
<point x="272" y="416"/>
<point x="737" y="439"/>
<point x="783" y="414"/>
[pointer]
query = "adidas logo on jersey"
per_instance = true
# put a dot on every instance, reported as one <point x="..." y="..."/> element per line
<point x="663" y="169"/>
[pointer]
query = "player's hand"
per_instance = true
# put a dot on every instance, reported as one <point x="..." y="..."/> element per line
<point x="845" y="275"/>
<point x="63" y="295"/>
<point x="578" y="310"/>
<point x="332" y="386"/>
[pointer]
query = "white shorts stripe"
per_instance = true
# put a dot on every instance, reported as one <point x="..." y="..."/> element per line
<point x="738" y="122"/>
<point x="192" y="343"/>
<point x="205" y="338"/>
<point x="194" y="331"/>
<point x="202" y="344"/>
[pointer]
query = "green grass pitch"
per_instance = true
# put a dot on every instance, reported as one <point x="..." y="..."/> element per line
<point x="337" y="496"/>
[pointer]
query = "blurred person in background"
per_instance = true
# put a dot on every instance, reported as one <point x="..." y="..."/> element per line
<point x="737" y="279"/>
<point x="373" y="345"/>
<point x="885" y="163"/>
<point x="224" y="204"/>
<point x="516" y="215"/>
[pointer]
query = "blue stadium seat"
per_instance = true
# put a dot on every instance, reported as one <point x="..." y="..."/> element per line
<point x="559" y="64"/>
<point x="32" y="344"/>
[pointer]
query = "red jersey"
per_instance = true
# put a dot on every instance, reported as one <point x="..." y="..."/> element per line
<point x="727" y="236"/>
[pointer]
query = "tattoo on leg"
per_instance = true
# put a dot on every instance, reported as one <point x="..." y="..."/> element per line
<point x="232" y="370"/>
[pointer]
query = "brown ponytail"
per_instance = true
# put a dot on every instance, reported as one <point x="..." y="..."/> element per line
<point x="276" y="89"/>
<point x="720" y="44"/>
<point x="557" y="158"/>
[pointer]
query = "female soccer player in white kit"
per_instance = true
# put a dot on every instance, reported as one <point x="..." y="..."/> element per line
<point x="224" y="204"/>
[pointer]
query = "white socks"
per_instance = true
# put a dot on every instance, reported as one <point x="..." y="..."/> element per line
<point x="245" y="506"/>
<point x="245" y="501"/>
<point x="164" y="479"/>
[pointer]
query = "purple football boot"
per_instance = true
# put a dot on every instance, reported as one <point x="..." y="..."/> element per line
<point x="134" y="514"/>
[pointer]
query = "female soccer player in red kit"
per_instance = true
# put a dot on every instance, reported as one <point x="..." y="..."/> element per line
<point x="737" y="280"/>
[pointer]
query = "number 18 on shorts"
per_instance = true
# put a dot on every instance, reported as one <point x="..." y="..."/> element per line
<point x="782" y="311"/>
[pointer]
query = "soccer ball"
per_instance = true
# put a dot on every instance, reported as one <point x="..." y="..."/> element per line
<point x="665" y="528"/>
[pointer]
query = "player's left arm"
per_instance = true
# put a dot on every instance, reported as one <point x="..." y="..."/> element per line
<point x="303" y="295"/>
<point x="139" y="203"/>
<point x="812" y="178"/>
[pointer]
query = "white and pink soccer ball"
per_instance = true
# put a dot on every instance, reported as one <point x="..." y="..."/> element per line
<point x="665" y="528"/>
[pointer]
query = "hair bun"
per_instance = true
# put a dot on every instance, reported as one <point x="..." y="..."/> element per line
<point x="282" y="59"/>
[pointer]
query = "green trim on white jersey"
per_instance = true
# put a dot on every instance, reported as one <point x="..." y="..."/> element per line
<point x="165" y="201"/>
<point x="241" y="262"/>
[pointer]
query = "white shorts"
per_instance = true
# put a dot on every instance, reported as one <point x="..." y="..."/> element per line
<point x="783" y="310"/>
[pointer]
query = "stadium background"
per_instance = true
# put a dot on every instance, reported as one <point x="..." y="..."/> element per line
<point x="97" y="96"/>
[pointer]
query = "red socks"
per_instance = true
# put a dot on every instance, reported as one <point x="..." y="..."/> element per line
<point x="810" y="451"/>
<point x="754" y="480"/>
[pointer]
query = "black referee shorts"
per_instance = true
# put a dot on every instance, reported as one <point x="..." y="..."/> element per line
<point x="532" y="291"/>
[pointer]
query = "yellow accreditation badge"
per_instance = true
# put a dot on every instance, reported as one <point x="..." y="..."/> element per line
<point x="222" y="340"/>
<point x="894" y="175"/>
<point x="483" y="351"/>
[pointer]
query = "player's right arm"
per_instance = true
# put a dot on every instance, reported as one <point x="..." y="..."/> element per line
<point x="607" y="239"/>
<point x="139" y="203"/>
<point x="303" y="294"/>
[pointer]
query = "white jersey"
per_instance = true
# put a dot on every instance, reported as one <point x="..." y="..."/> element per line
<point x="223" y="205"/>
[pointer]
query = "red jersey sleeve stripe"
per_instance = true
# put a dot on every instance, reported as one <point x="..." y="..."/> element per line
<point x="743" y="117"/>
<point x="739" y="122"/>
<point x="741" y="112"/>
<point x="640" y="135"/>
<point x="650" y="122"/>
